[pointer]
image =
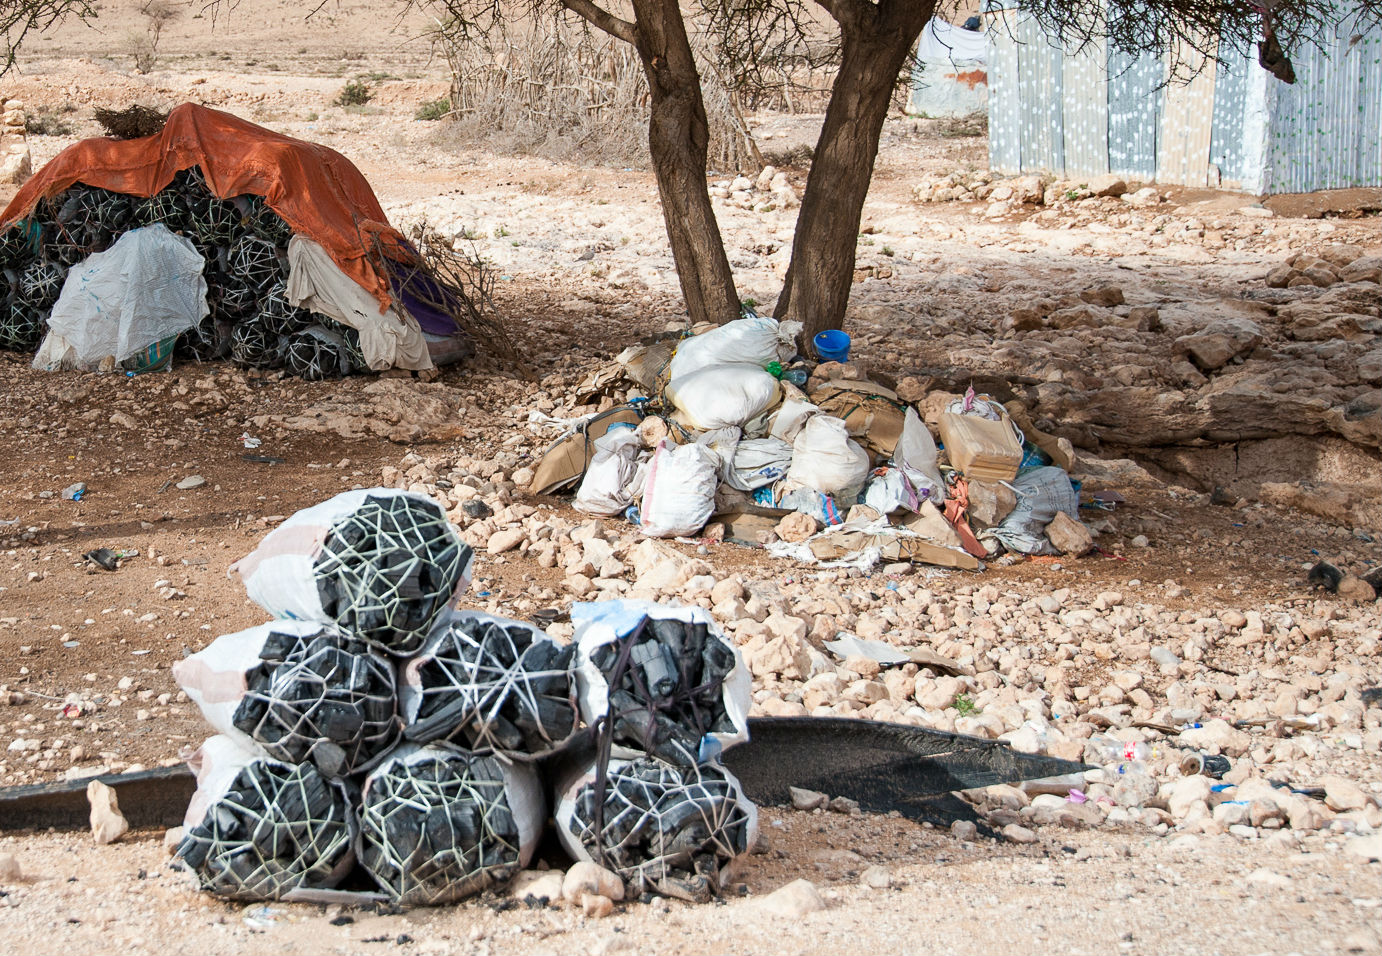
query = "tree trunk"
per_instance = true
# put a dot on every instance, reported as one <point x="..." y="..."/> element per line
<point x="876" y="44"/>
<point x="678" y="141"/>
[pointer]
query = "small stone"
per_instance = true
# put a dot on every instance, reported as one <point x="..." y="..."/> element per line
<point x="803" y="799"/>
<point x="190" y="482"/>
<point x="73" y="492"/>
<point x="1016" y="833"/>
<point x="876" y="877"/>
<point x="1233" y="619"/>
<point x="797" y="899"/>
<point x="843" y="805"/>
<point x="537" y="885"/>
<point x="964" y="830"/>
<point x="590" y="878"/>
<point x="1264" y="877"/>
<point x="505" y="540"/>
<point x="1367" y="847"/>
<point x="10" y="871"/>
<point x="171" y="839"/>
<point x="1355" y="589"/>
<point x="1342" y="795"/>
<point x="108" y="824"/>
<point x="595" y="906"/>
<point x="1069" y="535"/>
<point x="475" y="508"/>
<point x="796" y="527"/>
<point x="523" y="477"/>
<point x="1140" y="541"/>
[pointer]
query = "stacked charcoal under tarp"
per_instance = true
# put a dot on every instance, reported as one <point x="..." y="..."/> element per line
<point x="243" y="243"/>
<point x="374" y="728"/>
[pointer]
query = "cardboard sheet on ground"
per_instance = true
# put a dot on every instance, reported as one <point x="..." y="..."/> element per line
<point x="563" y="464"/>
<point x="842" y="542"/>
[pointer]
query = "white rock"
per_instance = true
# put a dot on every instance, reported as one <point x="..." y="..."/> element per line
<point x="10" y="871"/>
<point x="538" y="884"/>
<point x="1015" y="833"/>
<point x="587" y="877"/>
<point x="1367" y="847"/>
<point x="1264" y="877"/>
<point x="797" y="899"/>
<point x="190" y="482"/>
<point x="108" y="824"/>
<point x="1180" y="795"/>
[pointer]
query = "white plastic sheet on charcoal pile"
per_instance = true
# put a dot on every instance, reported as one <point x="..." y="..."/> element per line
<point x="146" y="288"/>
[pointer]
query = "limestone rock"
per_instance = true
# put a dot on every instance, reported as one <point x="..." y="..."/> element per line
<point x="1107" y="185"/>
<point x="1069" y="535"/>
<point x="797" y="899"/>
<point x="10" y="870"/>
<point x="1220" y="342"/>
<point x="797" y="527"/>
<point x="586" y="877"/>
<point x="504" y="540"/>
<point x="537" y="884"/>
<point x="108" y="824"/>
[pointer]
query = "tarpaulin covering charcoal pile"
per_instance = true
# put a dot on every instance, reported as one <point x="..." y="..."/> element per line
<point x="298" y="263"/>
<point x="491" y="684"/>
<point x="731" y="434"/>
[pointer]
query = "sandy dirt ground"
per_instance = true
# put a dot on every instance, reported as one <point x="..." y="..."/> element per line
<point x="583" y="270"/>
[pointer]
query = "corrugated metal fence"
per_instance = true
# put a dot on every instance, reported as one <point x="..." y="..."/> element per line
<point x="1090" y="111"/>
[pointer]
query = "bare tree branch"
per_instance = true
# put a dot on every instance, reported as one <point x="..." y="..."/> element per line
<point x="19" y="17"/>
<point x="599" y="17"/>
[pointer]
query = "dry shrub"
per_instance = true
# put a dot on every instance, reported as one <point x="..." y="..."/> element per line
<point x="558" y="89"/>
<point x="132" y="122"/>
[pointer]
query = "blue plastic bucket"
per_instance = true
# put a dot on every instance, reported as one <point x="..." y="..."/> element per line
<point x="832" y="345"/>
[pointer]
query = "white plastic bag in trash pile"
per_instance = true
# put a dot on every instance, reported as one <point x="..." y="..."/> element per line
<point x="605" y="489"/>
<point x="758" y="462"/>
<point x="146" y="288"/>
<point x="679" y="494"/>
<point x="825" y="458"/>
<point x="916" y="456"/>
<point x="722" y="395"/>
<point x="756" y="341"/>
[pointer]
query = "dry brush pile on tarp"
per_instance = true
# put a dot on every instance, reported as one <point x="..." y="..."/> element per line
<point x="374" y="735"/>
<point x="249" y="245"/>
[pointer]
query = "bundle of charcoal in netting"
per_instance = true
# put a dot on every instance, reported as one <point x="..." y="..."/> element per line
<point x="303" y="692"/>
<point x="663" y="828"/>
<point x="261" y="829"/>
<point x="438" y="824"/>
<point x="491" y="684"/>
<point x="666" y="685"/>
<point x="379" y="564"/>
<point x="243" y="242"/>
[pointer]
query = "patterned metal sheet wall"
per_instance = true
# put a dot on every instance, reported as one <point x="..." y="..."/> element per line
<point x="1325" y="131"/>
<point x="1134" y="114"/>
<point x="1078" y="116"/>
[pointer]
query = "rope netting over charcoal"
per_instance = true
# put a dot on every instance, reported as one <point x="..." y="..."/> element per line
<point x="321" y="698"/>
<point x="491" y="684"/>
<point x="278" y="828"/>
<point x="437" y="824"/>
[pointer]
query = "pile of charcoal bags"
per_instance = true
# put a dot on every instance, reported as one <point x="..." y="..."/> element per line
<point x="244" y="246"/>
<point x="374" y="737"/>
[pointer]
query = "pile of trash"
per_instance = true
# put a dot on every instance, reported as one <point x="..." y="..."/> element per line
<point x="374" y="742"/>
<point x="108" y="261"/>
<point x="731" y="433"/>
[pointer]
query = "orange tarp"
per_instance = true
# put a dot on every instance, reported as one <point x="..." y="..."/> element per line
<point x="316" y="190"/>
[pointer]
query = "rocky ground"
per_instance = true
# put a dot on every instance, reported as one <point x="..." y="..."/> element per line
<point x="1182" y="341"/>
